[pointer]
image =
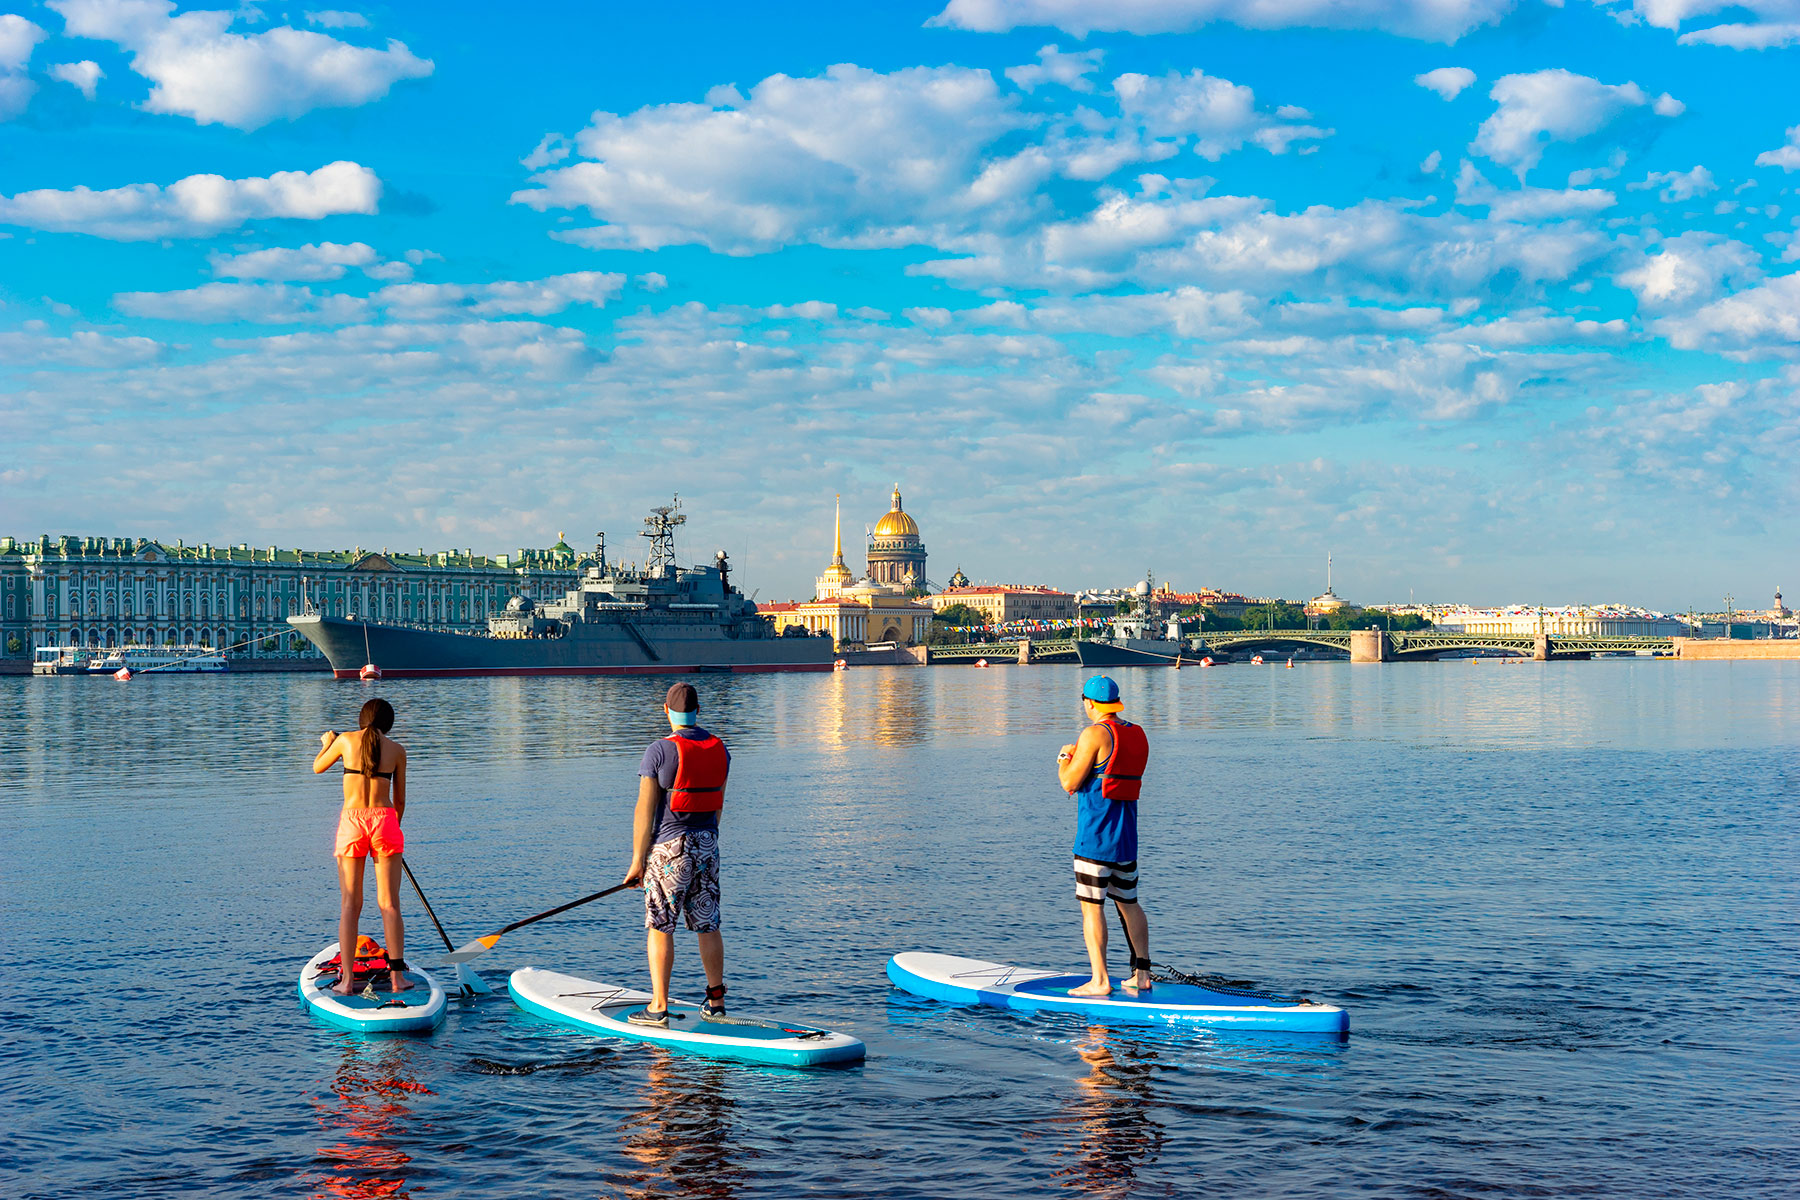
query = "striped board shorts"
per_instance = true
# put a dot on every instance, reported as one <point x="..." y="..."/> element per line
<point x="1096" y="880"/>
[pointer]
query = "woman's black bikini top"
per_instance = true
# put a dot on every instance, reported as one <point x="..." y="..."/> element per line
<point x="350" y="770"/>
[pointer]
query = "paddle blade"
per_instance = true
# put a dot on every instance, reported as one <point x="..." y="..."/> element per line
<point x="470" y="982"/>
<point x="474" y="949"/>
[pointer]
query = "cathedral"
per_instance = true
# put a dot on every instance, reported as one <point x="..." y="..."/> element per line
<point x="896" y="553"/>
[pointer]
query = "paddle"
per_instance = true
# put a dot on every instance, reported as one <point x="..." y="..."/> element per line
<point x="465" y="976"/>
<point x="482" y="945"/>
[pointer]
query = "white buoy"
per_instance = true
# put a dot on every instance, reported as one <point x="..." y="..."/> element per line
<point x="981" y="662"/>
<point x="840" y="665"/>
<point x="1257" y="659"/>
<point x="369" y="671"/>
<point x="123" y="674"/>
<point x="1207" y="661"/>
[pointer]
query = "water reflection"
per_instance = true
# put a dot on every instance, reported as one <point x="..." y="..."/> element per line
<point x="1109" y="1114"/>
<point x="683" y="1137"/>
<point x="366" y="1121"/>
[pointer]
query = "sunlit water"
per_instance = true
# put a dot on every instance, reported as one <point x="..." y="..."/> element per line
<point x="1559" y="901"/>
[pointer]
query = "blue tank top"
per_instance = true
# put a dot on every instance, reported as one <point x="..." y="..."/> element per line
<point x="1105" y="830"/>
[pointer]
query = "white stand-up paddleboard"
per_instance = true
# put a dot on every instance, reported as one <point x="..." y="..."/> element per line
<point x="416" y="1010"/>
<point x="971" y="981"/>
<point x="602" y="1008"/>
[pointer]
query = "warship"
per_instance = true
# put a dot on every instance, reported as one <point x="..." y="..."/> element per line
<point x="662" y="618"/>
<point x="1140" y="638"/>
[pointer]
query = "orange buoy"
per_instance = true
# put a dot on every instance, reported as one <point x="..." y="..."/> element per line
<point x="123" y="674"/>
<point x="369" y="671"/>
<point x="1207" y="661"/>
<point x="1290" y="664"/>
<point x="981" y="662"/>
<point x="1257" y="659"/>
<point x="840" y="665"/>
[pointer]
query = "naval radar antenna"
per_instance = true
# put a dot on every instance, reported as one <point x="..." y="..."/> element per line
<point x="661" y="532"/>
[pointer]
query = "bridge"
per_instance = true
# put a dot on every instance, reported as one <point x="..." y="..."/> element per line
<point x="1361" y="645"/>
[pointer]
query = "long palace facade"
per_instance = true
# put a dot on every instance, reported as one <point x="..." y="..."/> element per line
<point x="130" y="591"/>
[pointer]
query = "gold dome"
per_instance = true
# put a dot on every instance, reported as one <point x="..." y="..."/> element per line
<point x="896" y="523"/>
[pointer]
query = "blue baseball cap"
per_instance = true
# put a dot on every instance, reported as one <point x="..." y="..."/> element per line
<point x="1102" y="691"/>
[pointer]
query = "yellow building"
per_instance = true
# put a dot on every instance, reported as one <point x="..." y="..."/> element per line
<point x="857" y="612"/>
<point x="1000" y="603"/>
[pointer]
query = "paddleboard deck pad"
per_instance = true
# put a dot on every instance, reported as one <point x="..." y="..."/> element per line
<point x="596" y="1007"/>
<point x="970" y="981"/>
<point x="372" y="1009"/>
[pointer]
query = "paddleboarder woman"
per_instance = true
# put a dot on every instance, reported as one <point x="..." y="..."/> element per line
<point x="675" y="850"/>
<point x="1103" y="770"/>
<point x="369" y="826"/>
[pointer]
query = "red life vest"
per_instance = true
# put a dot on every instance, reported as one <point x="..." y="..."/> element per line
<point x="1124" y="771"/>
<point x="701" y="765"/>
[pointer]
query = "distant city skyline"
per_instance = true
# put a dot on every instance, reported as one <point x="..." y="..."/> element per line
<point x="1491" y="299"/>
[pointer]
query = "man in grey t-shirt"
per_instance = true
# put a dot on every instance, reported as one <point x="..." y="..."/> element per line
<point x="675" y="850"/>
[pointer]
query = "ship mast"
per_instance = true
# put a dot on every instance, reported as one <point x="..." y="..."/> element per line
<point x="661" y="533"/>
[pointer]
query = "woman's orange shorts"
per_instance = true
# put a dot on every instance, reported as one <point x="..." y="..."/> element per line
<point x="365" y="831"/>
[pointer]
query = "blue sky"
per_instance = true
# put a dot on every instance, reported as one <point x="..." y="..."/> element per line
<point x="1494" y="300"/>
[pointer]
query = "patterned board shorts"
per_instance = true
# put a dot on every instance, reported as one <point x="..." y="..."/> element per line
<point x="683" y="877"/>
<point x="1096" y="880"/>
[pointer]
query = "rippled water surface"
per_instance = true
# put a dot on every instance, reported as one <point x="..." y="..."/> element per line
<point x="1559" y="901"/>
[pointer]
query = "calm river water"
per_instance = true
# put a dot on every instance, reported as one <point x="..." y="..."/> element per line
<point x="1559" y="900"/>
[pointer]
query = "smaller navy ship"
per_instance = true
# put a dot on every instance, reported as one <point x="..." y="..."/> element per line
<point x="662" y="618"/>
<point x="1140" y="638"/>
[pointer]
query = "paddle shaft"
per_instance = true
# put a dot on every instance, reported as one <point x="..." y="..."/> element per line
<point x="427" y="904"/>
<point x="561" y="908"/>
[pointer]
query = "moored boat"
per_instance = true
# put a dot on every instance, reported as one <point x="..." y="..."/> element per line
<point x="618" y="620"/>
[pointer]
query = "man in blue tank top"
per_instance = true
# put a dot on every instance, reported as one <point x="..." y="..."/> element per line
<point x="1102" y="771"/>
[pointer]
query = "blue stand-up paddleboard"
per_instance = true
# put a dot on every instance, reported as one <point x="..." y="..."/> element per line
<point x="419" y="1009"/>
<point x="971" y="981"/>
<point x="602" y="1008"/>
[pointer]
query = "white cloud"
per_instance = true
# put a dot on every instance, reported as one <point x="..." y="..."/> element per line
<point x="1220" y="116"/>
<point x="535" y="297"/>
<point x="314" y="262"/>
<point x="83" y="76"/>
<point x="18" y="38"/>
<point x="1759" y="322"/>
<point x="203" y="71"/>
<point x="1689" y="270"/>
<point x="1374" y="248"/>
<point x="197" y="206"/>
<point x="1528" y="203"/>
<point x="1555" y="106"/>
<point x="259" y="303"/>
<point x="335" y="19"/>
<point x="1430" y="20"/>
<point x="1677" y="185"/>
<point x="849" y="158"/>
<point x="1776" y="23"/>
<point x="1447" y="82"/>
<point x="552" y="148"/>
<point x="85" y="348"/>
<point x="1746" y="36"/>
<point x="1433" y="163"/>
<point x="1786" y="157"/>
<point x="1054" y="66"/>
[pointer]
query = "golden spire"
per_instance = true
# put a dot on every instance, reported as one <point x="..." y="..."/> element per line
<point x="838" y="530"/>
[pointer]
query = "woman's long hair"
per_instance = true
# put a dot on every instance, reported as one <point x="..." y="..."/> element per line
<point x="376" y="718"/>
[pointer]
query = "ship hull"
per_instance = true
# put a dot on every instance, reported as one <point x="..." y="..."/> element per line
<point x="400" y="652"/>
<point x="1134" y="652"/>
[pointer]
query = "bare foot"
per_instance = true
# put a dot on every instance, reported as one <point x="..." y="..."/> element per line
<point x="397" y="982"/>
<point x="1093" y="987"/>
<point x="344" y="988"/>
<point x="1134" y="985"/>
